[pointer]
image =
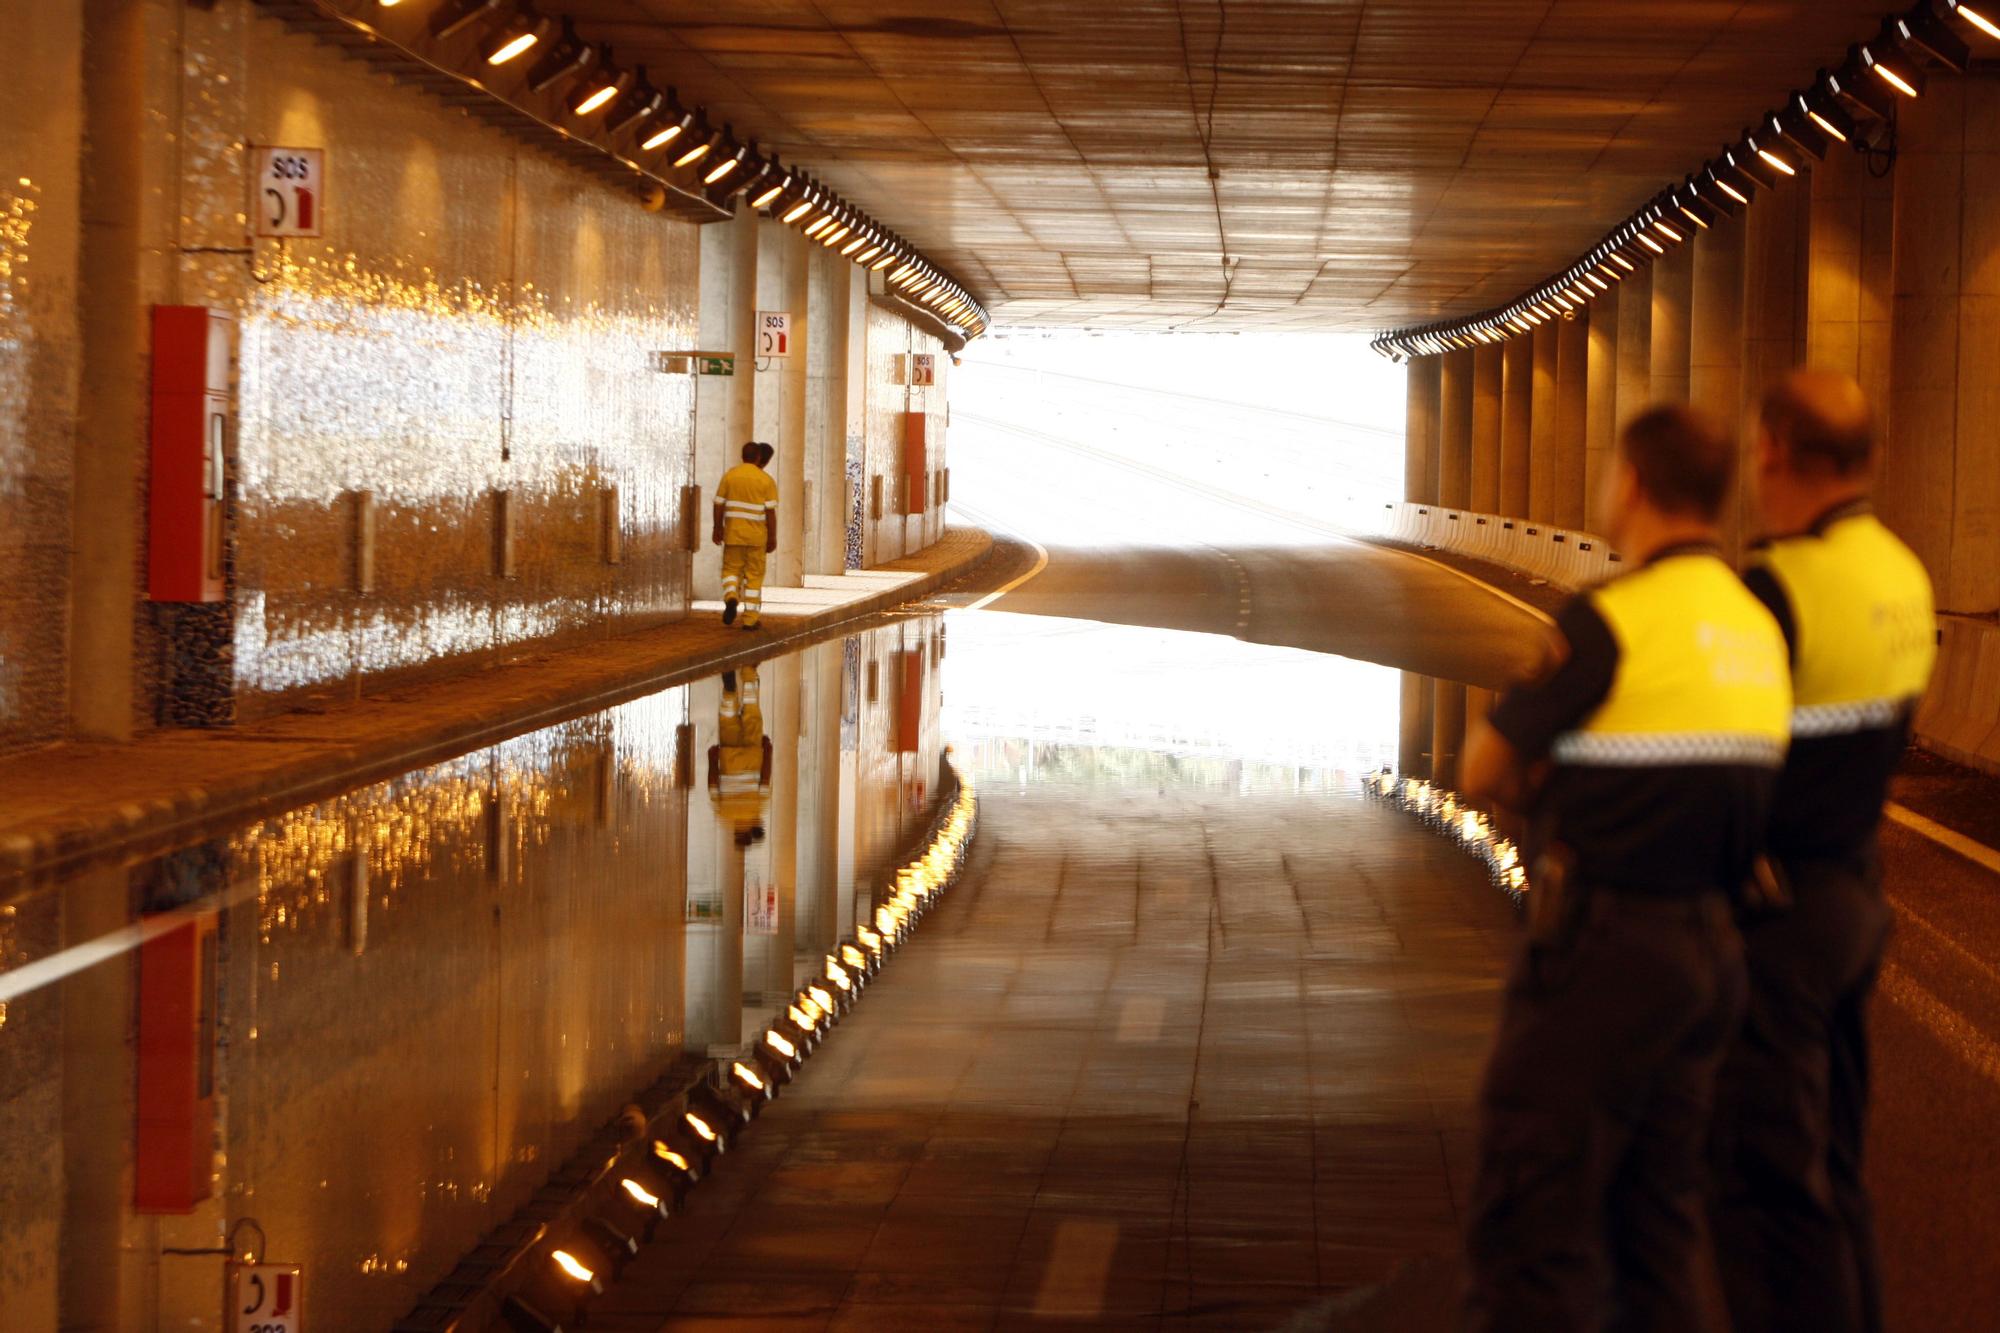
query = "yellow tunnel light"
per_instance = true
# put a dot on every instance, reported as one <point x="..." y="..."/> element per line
<point x="832" y="238"/>
<point x="640" y="1195"/>
<point x="853" y="245"/>
<point x="1902" y="80"/>
<point x="805" y="1016"/>
<point x="511" y="44"/>
<point x="670" y="1157"/>
<point x="701" y="1127"/>
<point x="821" y="997"/>
<point x="1666" y="229"/>
<point x="1978" y="20"/>
<point x="769" y="193"/>
<point x="820" y="225"/>
<point x="719" y="170"/>
<point x="747" y="1076"/>
<point x="797" y="211"/>
<point x="882" y="263"/>
<point x="568" y="1263"/>
<point x="782" y="1044"/>
<point x="598" y="94"/>
<point x="1623" y="262"/>
<point x="1778" y="162"/>
<point x="1651" y="244"/>
<point x="1597" y="282"/>
<point x="692" y="155"/>
<point x="852" y="956"/>
<point x="661" y="137"/>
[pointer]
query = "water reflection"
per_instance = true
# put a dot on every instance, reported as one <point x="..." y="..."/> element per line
<point x="1034" y="699"/>
<point x="427" y="992"/>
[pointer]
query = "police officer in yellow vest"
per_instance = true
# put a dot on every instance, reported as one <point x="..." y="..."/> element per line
<point x="746" y="528"/>
<point x="739" y="763"/>
<point x="1643" y="764"/>
<point x="1790" y="1216"/>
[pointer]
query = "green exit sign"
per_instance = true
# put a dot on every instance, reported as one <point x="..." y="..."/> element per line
<point x="715" y="365"/>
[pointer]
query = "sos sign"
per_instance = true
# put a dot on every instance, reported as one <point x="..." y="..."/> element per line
<point x="288" y="191"/>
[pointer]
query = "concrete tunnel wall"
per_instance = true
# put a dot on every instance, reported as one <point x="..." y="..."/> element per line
<point x="1894" y="279"/>
<point x="477" y="322"/>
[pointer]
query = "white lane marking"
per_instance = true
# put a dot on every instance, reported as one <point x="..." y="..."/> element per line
<point x="1141" y="1018"/>
<point x="1079" y="1268"/>
<point x="1966" y="957"/>
<point x="1041" y="555"/>
<point x="1957" y="1031"/>
<point x="1269" y="511"/>
<point x="1976" y="852"/>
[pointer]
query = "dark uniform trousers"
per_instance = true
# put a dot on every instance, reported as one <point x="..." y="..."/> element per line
<point x="1595" y="1116"/>
<point x="1790" y="1214"/>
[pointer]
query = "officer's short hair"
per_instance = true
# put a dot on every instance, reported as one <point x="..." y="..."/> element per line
<point x="1821" y="421"/>
<point x="1684" y="461"/>
<point x="750" y="450"/>
<point x="765" y="453"/>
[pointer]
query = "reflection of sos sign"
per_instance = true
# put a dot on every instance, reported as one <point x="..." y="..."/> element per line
<point x="289" y="191"/>
<point x="265" y="1298"/>
<point x="774" y="333"/>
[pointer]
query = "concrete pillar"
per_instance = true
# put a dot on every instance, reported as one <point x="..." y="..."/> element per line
<point x="1850" y="272"/>
<point x="1940" y="480"/>
<point x="1447" y="731"/>
<point x="1486" y="389"/>
<point x="1517" y="403"/>
<point x="1601" y="424"/>
<point x="1413" y="747"/>
<point x="1455" y="430"/>
<point x="1775" y="235"/>
<point x="1542" y="425"/>
<point x="125" y="265"/>
<point x="788" y="287"/>
<point x="1716" y="341"/>
<point x="1572" y="420"/>
<point x="1420" y="430"/>
<point x="725" y="409"/>
<point x="1673" y="292"/>
<point x="1635" y="345"/>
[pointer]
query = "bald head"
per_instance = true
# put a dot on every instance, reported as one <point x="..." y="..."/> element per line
<point x="1820" y="423"/>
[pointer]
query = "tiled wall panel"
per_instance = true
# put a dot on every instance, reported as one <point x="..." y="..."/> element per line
<point x="476" y="320"/>
<point x="40" y="73"/>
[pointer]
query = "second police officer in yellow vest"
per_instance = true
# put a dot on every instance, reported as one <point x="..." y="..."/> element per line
<point x="1644" y="763"/>
<point x="1794" y="1240"/>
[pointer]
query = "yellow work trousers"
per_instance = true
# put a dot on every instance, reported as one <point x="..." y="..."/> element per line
<point x="743" y="579"/>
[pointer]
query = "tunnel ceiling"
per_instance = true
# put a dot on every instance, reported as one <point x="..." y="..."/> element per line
<point x="1349" y="164"/>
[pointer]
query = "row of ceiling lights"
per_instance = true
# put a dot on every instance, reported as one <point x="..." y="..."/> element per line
<point x="666" y="138"/>
<point x="1854" y="106"/>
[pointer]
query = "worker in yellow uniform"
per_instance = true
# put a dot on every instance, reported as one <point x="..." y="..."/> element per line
<point x="1794" y="1236"/>
<point x="746" y="528"/>
<point x="739" y="763"/>
<point x="1643" y="765"/>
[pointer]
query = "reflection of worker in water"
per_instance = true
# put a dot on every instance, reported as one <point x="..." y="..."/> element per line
<point x="739" y="764"/>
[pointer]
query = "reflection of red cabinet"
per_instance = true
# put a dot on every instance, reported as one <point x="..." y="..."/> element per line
<point x="174" y="1151"/>
<point x="910" y="703"/>
<point x="190" y="448"/>
<point x="916" y="466"/>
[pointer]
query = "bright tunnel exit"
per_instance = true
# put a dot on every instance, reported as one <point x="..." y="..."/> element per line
<point x="1141" y="439"/>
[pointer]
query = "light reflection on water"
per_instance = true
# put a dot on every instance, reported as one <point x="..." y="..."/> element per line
<point x="431" y="988"/>
<point x="1036" y="699"/>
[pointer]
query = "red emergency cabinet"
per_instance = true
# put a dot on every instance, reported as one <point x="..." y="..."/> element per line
<point x="175" y="1149"/>
<point x="185" y="534"/>
<point x="916" y="465"/>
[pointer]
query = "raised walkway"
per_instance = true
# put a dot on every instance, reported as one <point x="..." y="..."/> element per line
<point x="85" y="799"/>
